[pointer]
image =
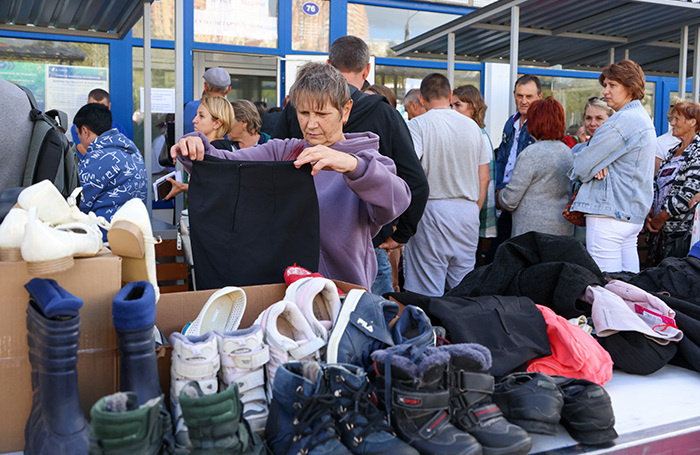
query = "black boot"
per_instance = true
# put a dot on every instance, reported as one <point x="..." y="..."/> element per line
<point x="412" y="383"/>
<point x="134" y="315"/>
<point x="587" y="413"/>
<point x="56" y="424"/>
<point x="473" y="411"/>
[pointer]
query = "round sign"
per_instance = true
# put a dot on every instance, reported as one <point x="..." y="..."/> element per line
<point x="310" y="8"/>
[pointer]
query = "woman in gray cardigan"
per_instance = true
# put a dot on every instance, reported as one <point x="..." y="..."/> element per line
<point x="539" y="188"/>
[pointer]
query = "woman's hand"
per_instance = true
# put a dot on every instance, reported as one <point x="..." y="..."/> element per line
<point x="581" y="135"/>
<point x="177" y="188"/>
<point x="656" y="223"/>
<point x="602" y="174"/>
<point x="694" y="200"/>
<point x="191" y="147"/>
<point x="323" y="158"/>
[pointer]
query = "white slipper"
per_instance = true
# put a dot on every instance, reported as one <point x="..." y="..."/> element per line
<point x="223" y="312"/>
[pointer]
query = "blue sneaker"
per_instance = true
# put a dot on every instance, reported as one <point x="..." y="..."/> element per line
<point x="361" y="328"/>
<point x="413" y="327"/>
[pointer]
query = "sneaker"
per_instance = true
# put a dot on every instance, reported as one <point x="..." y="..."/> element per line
<point x="587" y="413"/>
<point x="531" y="401"/>
<point x="361" y="328"/>
<point x="289" y="337"/>
<point x="223" y="312"/>
<point x="413" y="327"/>
<point x="243" y="356"/>
<point x="295" y="272"/>
<point x="194" y="358"/>
<point x="318" y="300"/>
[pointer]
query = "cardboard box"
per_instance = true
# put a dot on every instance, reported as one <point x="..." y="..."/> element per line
<point x="177" y="309"/>
<point x="95" y="280"/>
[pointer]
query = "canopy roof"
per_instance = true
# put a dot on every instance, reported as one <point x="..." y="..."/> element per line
<point x="576" y="34"/>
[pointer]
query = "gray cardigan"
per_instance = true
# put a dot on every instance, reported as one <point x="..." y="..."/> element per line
<point x="539" y="189"/>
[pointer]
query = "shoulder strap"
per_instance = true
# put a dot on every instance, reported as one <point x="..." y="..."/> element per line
<point x="30" y="95"/>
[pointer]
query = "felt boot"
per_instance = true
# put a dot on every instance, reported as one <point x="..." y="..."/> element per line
<point x="56" y="424"/>
<point x="215" y="422"/>
<point x="134" y="315"/>
<point x="473" y="411"/>
<point x="300" y="413"/>
<point x="362" y="427"/>
<point x="412" y="384"/>
<point x="120" y="426"/>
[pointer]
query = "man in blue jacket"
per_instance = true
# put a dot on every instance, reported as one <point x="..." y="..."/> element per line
<point x="112" y="170"/>
<point x="528" y="88"/>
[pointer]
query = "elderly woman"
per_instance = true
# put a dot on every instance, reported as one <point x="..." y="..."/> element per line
<point x="358" y="190"/>
<point x="677" y="182"/>
<point x="538" y="191"/>
<point x="595" y="113"/>
<point x="616" y="168"/>
<point x="245" y="131"/>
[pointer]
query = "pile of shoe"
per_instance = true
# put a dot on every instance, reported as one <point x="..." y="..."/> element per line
<point x="538" y="402"/>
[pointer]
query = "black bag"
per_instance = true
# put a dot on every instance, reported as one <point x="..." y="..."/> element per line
<point x="511" y="327"/>
<point x="164" y="158"/>
<point x="51" y="155"/>
<point x="250" y="220"/>
<point x="675" y="244"/>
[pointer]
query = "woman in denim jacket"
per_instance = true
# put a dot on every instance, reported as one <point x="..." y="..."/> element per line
<point x="616" y="169"/>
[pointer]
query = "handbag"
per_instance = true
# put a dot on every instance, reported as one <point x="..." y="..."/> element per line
<point x="573" y="216"/>
<point x="669" y="244"/>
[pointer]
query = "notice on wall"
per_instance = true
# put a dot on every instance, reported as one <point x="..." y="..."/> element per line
<point x="30" y="75"/>
<point x="248" y="22"/>
<point x="67" y="87"/>
<point x="162" y="100"/>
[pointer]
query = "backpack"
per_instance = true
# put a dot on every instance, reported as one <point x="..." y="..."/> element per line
<point x="51" y="155"/>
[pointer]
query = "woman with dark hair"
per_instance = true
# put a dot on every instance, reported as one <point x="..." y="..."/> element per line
<point x="467" y="100"/>
<point x="383" y="90"/>
<point x="616" y="171"/>
<point x="538" y="191"/>
<point x="245" y="131"/>
<point x="676" y="183"/>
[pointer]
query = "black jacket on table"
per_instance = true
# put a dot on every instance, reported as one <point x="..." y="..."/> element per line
<point x="374" y="113"/>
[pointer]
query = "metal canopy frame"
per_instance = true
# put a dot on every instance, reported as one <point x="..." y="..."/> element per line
<point x="575" y="34"/>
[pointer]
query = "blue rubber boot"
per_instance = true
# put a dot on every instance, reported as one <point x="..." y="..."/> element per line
<point x="56" y="424"/>
<point x="134" y="315"/>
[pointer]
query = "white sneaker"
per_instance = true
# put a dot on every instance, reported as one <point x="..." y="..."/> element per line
<point x="131" y="237"/>
<point x="194" y="358"/>
<point x="243" y="355"/>
<point x="318" y="300"/>
<point x="50" y="250"/>
<point x="289" y="337"/>
<point x="222" y="311"/>
<point x="11" y="234"/>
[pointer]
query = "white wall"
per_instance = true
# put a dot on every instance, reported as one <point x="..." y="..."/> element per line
<point x="498" y="95"/>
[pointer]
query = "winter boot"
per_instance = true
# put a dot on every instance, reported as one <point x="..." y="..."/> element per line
<point x="361" y="328"/>
<point x="243" y="356"/>
<point x="194" y="358"/>
<point x="412" y="383"/>
<point x="300" y="413"/>
<point x="473" y="411"/>
<point x="413" y="327"/>
<point x="134" y="315"/>
<point x="121" y="427"/>
<point x="587" y="413"/>
<point x="530" y="400"/>
<point x="56" y="423"/>
<point x="215" y="422"/>
<point x="362" y="427"/>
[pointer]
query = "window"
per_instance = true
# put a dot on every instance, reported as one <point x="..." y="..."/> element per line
<point x="162" y="21"/>
<point x="310" y="25"/>
<point x="237" y="22"/>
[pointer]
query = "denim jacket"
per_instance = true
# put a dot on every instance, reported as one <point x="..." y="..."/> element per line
<point x="507" y="143"/>
<point x="625" y="144"/>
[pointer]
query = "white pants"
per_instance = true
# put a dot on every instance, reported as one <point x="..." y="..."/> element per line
<point x="443" y="249"/>
<point x="613" y="243"/>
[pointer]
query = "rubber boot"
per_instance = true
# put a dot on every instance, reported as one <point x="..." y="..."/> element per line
<point x="300" y="413"/>
<point x="473" y="411"/>
<point x="362" y="427"/>
<point x="134" y="315"/>
<point x="56" y="424"/>
<point x="216" y="424"/>
<point x="412" y="384"/>
<point x="120" y="426"/>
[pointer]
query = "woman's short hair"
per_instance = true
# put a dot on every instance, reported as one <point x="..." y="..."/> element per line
<point x="545" y="120"/>
<point x="688" y="110"/>
<point x="318" y="83"/>
<point x="246" y="111"/>
<point x="595" y="101"/>
<point x="627" y="73"/>
<point x="472" y="96"/>
<point x="220" y="109"/>
<point x="384" y="91"/>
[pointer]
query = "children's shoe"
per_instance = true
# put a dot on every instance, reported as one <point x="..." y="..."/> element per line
<point x="194" y="358"/>
<point x="243" y="356"/>
<point x="318" y="300"/>
<point x="587" y="413"/>
<point x="222" y="311"/>
<point x="413" y="327"/>
<point x="289" y="337"/>
<point x="530" y="400"/>
<point x="295" y="272"/>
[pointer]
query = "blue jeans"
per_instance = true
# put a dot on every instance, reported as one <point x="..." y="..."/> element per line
<point x="383" y="283"/>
